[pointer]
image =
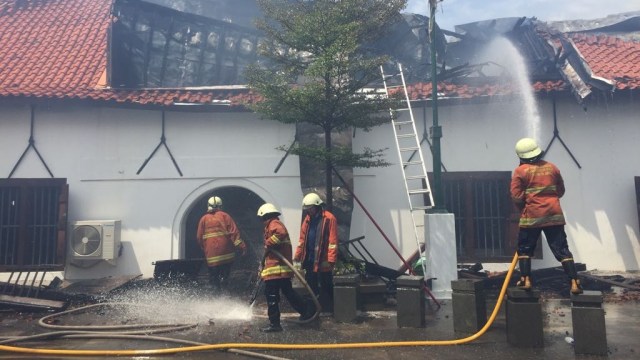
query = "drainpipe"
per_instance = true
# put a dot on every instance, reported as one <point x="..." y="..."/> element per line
<point x="436" y="130"/>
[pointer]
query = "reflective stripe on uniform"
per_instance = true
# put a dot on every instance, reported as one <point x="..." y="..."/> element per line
<point x="237" y="242"/>
<point x="214" y="234"/>
<point x="275" y="239"/>
<point x="332" y="246"/>
<point x="541" y="189"/>
<point x="217" y="259"/>
<point x="552" y="219"/>
<point x="276" y="270"/>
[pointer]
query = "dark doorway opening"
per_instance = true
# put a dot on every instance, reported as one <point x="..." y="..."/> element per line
<point x="242" y="204"/>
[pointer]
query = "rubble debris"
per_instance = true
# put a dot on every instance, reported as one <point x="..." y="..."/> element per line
<point x="615" y="280"/>
<point x="94" y="289"/>
<point x="553" y="281"/>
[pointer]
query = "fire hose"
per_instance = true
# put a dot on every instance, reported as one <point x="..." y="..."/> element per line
<point x="224" y="346"/>
<point x="300" y="277"/>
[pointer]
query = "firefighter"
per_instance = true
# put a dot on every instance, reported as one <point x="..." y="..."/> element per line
<point x="275" y="272"/>
<point x="318" y="248"/>
<point x="219" y="238"/>
<point x="536" y="189"/>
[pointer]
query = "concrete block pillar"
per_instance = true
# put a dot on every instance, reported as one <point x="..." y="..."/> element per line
<point x="411" y="301"/>
<point x="524" y="318"/>
<point x="345" y="297"/>
<point x="469" y="305"/>
<point x="442" y="261"/>
<point x="587" y="315"/>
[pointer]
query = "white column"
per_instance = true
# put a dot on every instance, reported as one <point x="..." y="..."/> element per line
<point x="442" y="263"/>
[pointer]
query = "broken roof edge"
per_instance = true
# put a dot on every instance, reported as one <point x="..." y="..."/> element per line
<point x="608" y="23"/>
<point x="187" y="88"/>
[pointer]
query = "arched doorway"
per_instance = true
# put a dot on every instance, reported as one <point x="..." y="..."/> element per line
<point x="242" y="204"/>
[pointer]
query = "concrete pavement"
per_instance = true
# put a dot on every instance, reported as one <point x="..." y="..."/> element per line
<point x="231" y="321"/>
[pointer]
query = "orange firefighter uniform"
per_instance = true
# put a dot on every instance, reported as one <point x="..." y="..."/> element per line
<point x="276" y="237"/>
<point x="536" y="189"/>
<point x="277" y="275"/>
<point x="218" y="236"/>
<point x="326" y="242"/>
<point x="318" y="251"/>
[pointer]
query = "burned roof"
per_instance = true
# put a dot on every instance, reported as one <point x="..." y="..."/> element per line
<point x="625" y="26"/>
<point x="157" y="47"/>
<point x="82" y="49"/>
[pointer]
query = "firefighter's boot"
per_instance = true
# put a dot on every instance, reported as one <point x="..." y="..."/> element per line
<point x="525" y="273"/>
<point x="273" y="311"/>
<point x="569" y="267"/>
<point x="272" y="328"/>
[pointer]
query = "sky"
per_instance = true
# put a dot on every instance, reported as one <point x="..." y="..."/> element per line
<point x="455" y="12"/>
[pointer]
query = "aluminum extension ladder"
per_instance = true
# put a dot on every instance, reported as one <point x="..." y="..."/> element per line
<point x="414" y="173"/>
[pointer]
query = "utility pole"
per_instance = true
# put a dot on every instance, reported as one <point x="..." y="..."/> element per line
<point x="436" y="130"/>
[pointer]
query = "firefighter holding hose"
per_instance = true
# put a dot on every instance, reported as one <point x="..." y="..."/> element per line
<point x="275" y="272"/>
<point x="536" y="189"/>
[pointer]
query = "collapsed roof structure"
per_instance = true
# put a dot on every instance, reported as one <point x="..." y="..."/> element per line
<point x="133" y="51"/>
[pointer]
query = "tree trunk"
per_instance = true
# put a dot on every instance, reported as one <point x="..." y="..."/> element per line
<point x="328" y="172"/>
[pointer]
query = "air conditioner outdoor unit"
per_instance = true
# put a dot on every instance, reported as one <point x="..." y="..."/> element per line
<point x="95" y="240"/>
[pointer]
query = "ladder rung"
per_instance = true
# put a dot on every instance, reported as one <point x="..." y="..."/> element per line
<point x="421" y="208"/>
<point x="405" y="135"/>
<point x="398" y="123"/>
<point x="412" y="163"/>
<point x="413" y="148"/>
<point x="416" y="177"/>
<point x="402" y="109"/>
<point x="391" y="75"/>
<point x="419" y="191"/>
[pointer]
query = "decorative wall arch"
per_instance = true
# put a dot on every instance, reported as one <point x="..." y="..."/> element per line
<point x="178" y="228"/>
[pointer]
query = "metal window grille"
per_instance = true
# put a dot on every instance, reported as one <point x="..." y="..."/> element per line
<point x="481" y="204"/>
<point x="32" y="223"/>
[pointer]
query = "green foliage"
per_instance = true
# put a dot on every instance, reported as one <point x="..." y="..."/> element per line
<point x="348" y="267"/>
<point x="340" y="156"/>
<point x="317" y="67"/>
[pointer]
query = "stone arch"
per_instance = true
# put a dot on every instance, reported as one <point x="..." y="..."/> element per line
<point x="241" y="199"/>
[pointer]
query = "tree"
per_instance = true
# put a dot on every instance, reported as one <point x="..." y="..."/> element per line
<point x="317" y="64"/>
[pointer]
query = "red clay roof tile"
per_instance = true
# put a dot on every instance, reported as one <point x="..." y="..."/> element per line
<point x="611" y="58"/>
<point x="58" y="49"/>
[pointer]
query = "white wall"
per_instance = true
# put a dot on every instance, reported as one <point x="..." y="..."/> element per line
<point x="599" y="205"/>
<point x="99" y="151"/>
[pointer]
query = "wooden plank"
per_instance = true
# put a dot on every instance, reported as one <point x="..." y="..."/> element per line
<point x="20" y="301"/>
<point x="100" y="286"/>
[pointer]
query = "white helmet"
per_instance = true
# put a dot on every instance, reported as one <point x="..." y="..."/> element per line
<point x="214" y="203"/>
<point x="527" y="148"/>
<point x="311" y="199"/>
<point x="268" y="209"/>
